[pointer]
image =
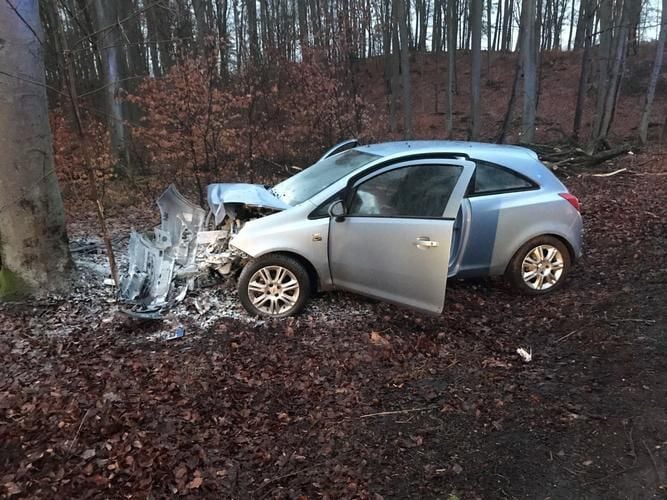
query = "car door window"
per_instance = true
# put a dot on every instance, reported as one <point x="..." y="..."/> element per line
<point x="490" y="178"/>
<point x="412" y="191"/>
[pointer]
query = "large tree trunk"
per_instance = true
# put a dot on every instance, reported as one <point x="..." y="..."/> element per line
<point x="528" y="59"/>
<point x="476" y="64"/>
<point x="655" y="74"/>
<point x="34" y="252"/>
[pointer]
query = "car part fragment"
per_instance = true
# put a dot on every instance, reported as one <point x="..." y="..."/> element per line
<point x="168" y="262"/>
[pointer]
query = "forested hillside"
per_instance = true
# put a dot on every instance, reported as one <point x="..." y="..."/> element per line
<point x="230" y="89"/>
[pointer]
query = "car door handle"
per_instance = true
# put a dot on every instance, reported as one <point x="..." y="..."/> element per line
<point x="425" y="242"/>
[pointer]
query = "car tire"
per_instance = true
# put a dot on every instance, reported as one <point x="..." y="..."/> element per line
<point x="274" y="286"/>
<point x="540" y="266"/>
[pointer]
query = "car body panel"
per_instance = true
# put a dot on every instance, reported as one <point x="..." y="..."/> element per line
<point x="253" y="195"/>
<point x="379" y="257"/>
<point x="507" y="221"/>
<point x="403" y="260"/>
<point x="289" y="231"/>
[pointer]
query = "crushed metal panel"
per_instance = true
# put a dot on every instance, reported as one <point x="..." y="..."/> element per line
<point x="167" y="262"/>
<point x="253" y="195"/>
<point x="150" y="272"/>
<point x="181" y="220"/>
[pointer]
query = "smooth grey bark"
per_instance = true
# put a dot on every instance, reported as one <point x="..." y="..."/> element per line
<point x="401" y="21"/>
<point x="529" y="65"/>
<point x="475" y="69"/>
<point x="34" y="253"/>
<point x="110" y="43"/>
<point x="655" y="75"/>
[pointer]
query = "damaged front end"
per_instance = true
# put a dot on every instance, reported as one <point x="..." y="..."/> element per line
<point x="190" y="248"/>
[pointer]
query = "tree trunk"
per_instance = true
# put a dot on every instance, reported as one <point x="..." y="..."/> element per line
<point x="528" y="58"/>
<point x="587" y="26"/>
<point x="611" y="62"/>
<point x="155" y="41"/>
<point x="253" y="41"/>
<point x="303" y="23"/>
<point x="451" y="63"/>
<point x="489" y="41"/>
<point x="203" y="28"/>
<point x="34" y="253"/>
<point x="510" y="104"/>
<point x="401" y="21"/>
<point x="476" y="63"/>
<point x="395" y="76"/>
<point x="436" y="44"/>
<point x="115" y="69"/>
<point x="221" y="7"/>
<point x="655" y="75"/>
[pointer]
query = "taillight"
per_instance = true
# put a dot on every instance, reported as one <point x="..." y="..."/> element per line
<point x="572" y="200"/>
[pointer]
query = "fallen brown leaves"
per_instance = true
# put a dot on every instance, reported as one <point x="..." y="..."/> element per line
<point x="275" y="410"/>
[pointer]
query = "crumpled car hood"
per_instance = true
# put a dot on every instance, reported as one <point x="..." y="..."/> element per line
<point x="252" y="195"/>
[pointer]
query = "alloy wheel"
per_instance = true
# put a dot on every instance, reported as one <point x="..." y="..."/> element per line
<point x="542" y="267"/>
<point x="274" y="290"/>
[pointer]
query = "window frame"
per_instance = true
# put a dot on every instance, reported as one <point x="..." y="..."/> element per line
<point x="437" y="158"/>
<point x="473" y="183"/>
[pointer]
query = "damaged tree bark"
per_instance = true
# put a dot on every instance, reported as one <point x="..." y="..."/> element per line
<point x="34" y="254"/>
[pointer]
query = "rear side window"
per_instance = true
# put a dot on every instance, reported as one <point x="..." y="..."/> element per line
<point x="490" y="178"/>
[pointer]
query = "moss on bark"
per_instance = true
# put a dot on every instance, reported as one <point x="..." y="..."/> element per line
<point x="12" y="287"/>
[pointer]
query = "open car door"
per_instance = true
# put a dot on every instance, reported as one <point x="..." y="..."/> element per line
<point x="393" y="241"/>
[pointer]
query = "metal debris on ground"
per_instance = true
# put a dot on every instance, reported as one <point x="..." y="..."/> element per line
<point x="527" y="356"/>
<point x="190" y="247"/>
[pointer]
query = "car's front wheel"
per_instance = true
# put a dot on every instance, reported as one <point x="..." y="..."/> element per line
<point x="540" y="266"/>
<point x="274" y="286"/>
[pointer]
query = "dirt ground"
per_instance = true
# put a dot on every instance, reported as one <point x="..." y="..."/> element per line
<point x="359" y="399"/>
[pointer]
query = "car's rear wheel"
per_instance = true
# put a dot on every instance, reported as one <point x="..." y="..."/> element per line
<point x="274" y="286"/>
<point x="540" y="266"/>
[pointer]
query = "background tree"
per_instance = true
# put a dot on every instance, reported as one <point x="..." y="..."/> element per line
<point x="402" y="24"/>
<point x="33" y="242"/>
<point x="614" y="32"/>
<point x="655" y="74"/>
<point x="528" y="63"/>
<point x="451" y="62"/>
<point x="476" y="64"/>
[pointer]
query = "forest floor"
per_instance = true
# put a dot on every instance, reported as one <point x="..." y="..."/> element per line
<point x="356" y="398"/>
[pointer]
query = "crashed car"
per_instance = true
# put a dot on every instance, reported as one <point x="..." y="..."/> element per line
<point x="390" y="221"/>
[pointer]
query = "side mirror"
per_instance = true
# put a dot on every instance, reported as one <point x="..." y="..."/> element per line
<point x="337" y="210"/>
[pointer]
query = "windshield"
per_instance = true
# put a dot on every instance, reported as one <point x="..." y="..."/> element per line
<point x="309" y="182"/>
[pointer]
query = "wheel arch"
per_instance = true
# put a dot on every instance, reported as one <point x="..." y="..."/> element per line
<point x="559" y="237"/>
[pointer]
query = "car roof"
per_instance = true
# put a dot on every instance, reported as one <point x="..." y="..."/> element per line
<point x="523" y="160"/>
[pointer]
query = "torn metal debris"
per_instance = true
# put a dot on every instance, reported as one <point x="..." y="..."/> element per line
<point x="189" y="246"/>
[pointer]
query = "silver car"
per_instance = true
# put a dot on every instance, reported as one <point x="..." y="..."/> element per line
<point x="391" y="221"/>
